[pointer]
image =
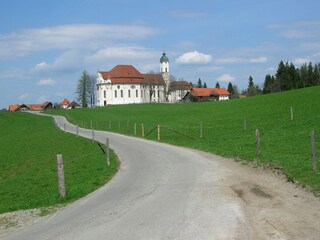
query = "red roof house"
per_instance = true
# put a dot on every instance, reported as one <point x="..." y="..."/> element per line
<point x="65" y="103"/>
<point x="206" y="94"/>
<point x="30" y="107"/>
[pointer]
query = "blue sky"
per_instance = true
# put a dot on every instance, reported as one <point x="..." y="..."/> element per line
<point x="46" y="45"/>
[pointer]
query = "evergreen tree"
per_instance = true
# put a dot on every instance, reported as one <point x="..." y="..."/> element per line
<point x="217" y="85"/>
<point x="199" y="83"/>
<point x="303" y="75"/>
<point x="230" y="89"/>
<point x="316" y="74"/>
<point x="310" y="75"/>
<point x="251" y="90"/>
<point x="204" y="85"/>
<point x="268" y="85"/>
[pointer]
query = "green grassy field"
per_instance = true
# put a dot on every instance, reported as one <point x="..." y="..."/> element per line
<point x="285" y="143"/>
<point x="28" y="172"/>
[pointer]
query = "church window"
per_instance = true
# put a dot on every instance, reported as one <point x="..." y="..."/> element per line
<point x="166" y="69"/>
<point x="104" y="94"/>
<point x="137" y="93"/>
<point x="158" y="93"/>
<point x="129" y="93"/>
<point x="121" y="92"/>
<point x="115" y="93"/>
<point x="141" y="93"/>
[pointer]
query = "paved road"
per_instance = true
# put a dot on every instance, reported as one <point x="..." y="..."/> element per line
<point x="160" y="192"/>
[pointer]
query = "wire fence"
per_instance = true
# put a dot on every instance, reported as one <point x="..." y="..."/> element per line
<point x="237" y="139"/>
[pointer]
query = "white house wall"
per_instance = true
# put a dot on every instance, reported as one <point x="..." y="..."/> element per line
<point x="177" y="95"/>
<point x="115" y="94"/>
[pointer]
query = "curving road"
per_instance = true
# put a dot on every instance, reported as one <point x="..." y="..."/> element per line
<point x="168" y="192"/>
<point x="160" y="192"/>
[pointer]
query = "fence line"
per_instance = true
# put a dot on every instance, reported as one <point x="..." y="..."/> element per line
<point x="195" y="131"/>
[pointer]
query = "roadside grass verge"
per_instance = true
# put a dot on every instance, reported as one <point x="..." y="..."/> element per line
<point x="285" y="143"/>
<point x="28" y="172"/>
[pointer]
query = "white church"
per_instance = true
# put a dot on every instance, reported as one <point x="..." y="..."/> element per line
<point x="124" y="84"/>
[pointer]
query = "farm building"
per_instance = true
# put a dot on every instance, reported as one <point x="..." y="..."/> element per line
<point x="30" y="107"/>
<point x="206" y="94"/>
<point x="66" y="104"/>
<point x="177" y="90"/>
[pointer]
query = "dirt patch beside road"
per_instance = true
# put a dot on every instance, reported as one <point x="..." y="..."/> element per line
<point x="273" y="207"/>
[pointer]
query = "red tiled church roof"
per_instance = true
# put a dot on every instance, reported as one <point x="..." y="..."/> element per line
<point x="127" y="74"/>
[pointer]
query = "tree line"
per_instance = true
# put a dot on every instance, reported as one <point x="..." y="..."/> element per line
<point x="289" y="77"/>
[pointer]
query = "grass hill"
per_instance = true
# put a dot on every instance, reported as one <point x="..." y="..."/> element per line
<point x="28" y="172"/>
<point x="285" y="143"/>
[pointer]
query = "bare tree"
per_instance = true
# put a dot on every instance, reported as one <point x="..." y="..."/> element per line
<point x="85" y="89"/>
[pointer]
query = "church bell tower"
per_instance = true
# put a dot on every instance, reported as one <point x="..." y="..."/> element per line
<point x="164" y="70"/>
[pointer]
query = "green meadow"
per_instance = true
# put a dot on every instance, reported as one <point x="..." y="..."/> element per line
<point x="228" y="128"/>
<point x="28" y="172"/>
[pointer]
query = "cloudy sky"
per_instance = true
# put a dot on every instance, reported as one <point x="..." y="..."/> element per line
<point x="46" y="45"/>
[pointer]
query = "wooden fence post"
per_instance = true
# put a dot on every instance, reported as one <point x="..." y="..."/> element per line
<point x="201" y="130"/>
<point x="158" y="132"/>
<point x="142" y="130"/>
<point x="109" y="124"/>
<point x="92" y="134"/>
<point x="258" y="143"/>
<point x="135" y="129"/>
<point x="107" y="152"/>
<point x="313" y="152"/>
<point x="61" y="185"/>
<point x="291" y="111"/>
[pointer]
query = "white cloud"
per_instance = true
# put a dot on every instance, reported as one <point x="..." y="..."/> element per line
<point x="194" y="58"/>
<point x="226" y="78"/>
<point x="300" y="29"/>
<point x="40" y="67"/>
<point x="46" y="82"/>
<point x="231" y="60"/>
<point x="23" y="96"/>
<point x="258" y="60"/>
<point x="300" y="61"/>
<point x="77" y="36"/>
<point x="123" y="52"/>
<point x="270" y="69"/>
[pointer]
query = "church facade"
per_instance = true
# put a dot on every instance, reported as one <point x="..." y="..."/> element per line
<point x="124" y="84"/>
